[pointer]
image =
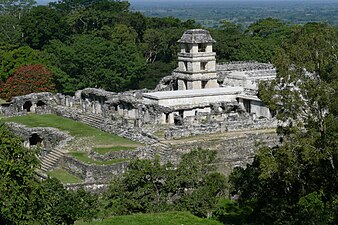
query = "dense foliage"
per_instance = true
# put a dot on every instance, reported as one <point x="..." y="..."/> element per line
<point x="104" y="44"/>
<point x="25" y="200"/>
<point x="297" y="182"/>
<point x="149" y="187"/>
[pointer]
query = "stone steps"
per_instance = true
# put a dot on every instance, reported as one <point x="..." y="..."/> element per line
<point x="51" y="159"/>
<point x="92" y="120"/>
<point x="161" y="146"/>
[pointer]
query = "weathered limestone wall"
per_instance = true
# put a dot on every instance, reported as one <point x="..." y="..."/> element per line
<point x="145" y="152"/>
<point x="232" y="152"/>
<point x="222" y="127"/>
<point x="93" y="173"/>
<point x="94" y="187"/>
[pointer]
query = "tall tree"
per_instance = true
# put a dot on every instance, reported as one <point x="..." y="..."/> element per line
<point x="43" y="24"/>
<point x="11" y="33"/>
<point x="90" y="61"/>
<point x="22" y="56"/>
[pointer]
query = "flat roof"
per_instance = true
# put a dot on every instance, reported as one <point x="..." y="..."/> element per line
<point x="249" y="97"/>
<point x="193" y="93"/>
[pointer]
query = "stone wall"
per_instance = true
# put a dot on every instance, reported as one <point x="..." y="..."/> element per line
<point x="49" y="138"/>
<point x="145" y="152"/>
<point x="95" y="187"/>
<point x="93" y="173"/>
<point x="232" y="152"/>
<point x="221" y="127"/>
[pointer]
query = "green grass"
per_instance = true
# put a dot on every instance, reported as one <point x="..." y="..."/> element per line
<point x="103" y="151"/>
<point x="169" y="218"/>
<point x="159" y="134"/>
<point x="82" y="156"/>
<point x="64" y="176"/>
<point x="74" y="128"/>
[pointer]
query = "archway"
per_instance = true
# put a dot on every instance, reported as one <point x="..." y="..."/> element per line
<point x="35" y="139"/>
<point x="40" y="104"/>
<point x="27" y="106"/>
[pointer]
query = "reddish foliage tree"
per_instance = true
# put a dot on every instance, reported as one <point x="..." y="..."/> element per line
<point x="26" y="80"/>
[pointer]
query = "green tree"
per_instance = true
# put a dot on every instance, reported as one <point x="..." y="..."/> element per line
<point x="11" y="33"/>
<point x="122" y="34"/>
<point x="43" y="24"/>
<point x="295" y="183"/>
<point x="17" y="183"/>
<point x="149" y="186"/>
<point x="228" y="40"/>
<point x="90" y="61"/>
<point x="56" y="205"/>
<point x="24" y="200"/>
<point x="12" y="60"/>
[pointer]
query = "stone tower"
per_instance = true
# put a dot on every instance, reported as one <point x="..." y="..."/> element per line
<point x="196" y="61"/>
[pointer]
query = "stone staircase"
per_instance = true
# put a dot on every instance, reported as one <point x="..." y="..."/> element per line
<point x="51" y="159"/>
<point x="92" y="120"/>
<point x="161" y="146"/>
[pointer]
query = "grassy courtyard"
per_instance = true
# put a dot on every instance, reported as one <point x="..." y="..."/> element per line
<point x="64" y="176"/>
<point x="83" y="156"/>
<point x="76" y="129"/>
<point x="170" y="218"/>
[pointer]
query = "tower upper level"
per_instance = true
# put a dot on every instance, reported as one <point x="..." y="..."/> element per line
<point x="196" y="61"/>
<point x="196" y="41"/>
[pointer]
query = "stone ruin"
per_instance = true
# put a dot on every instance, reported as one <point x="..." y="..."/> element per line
<point x="198" y="92"/>
<point x="199" y="97"/>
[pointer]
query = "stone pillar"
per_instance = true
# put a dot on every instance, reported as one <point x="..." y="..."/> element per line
<point x="194" y="48"/>
<point x="33" y="108"/>
<point x="67" y="102"/>
<point x="163" y="118"/>
<point x="120" y="110"/>
<point x="208" y="48"/>
<point x="181" y="85"/>
<point x="196" y="84"/>
<point x="93" y="108"/>
<point x="131" y="113"/>
<point x="171" y="118"/>
<point x="240" y="102"/>
<point x="98" y="108"/>
<point x="212" y="84"/>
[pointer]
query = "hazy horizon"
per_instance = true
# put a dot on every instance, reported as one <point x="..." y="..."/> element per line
<point x="168" y="1"/>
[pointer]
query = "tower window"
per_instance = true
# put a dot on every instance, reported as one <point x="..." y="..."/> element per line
<point x="204" y="83"/>
<point x="203" y="65"/>
<point x="187" y="48"/>
<point x="202" y="47"/>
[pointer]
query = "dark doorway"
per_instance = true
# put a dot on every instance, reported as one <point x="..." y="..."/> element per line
<point x="247" y="105"/>
<point x="35" y="139"/>
<point x="41" y="104"/>
<point x="27" y="106"/>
